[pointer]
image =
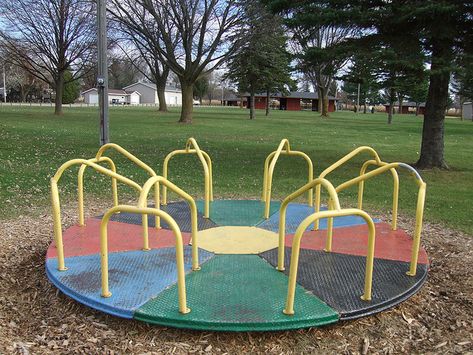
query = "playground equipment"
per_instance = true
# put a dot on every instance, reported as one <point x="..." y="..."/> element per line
<point x="227" y="270"/>
<point x="269" y="164"/>
<point x="206" y="164"/>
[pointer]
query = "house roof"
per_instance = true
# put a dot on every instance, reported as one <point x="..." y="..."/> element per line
<point x="153" y="86"/>
<point x="114" y="91"/>
<point x="231" y="97"/>
<point x="293" y="95"/>
<point x="407" y="104"/>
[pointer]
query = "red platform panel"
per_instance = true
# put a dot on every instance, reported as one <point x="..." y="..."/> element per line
<point x="121" y="237"/>
<point x="391" y="245"/>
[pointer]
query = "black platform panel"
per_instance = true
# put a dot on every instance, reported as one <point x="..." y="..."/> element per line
<point x="178" y="210"/>
<point x="338" y="280"/>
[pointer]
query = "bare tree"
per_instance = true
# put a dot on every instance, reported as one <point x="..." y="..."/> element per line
<point x="52" y="36"/>
<point x="144" y="51"/>
<point x="319" y="56"/>
<point x="192" y="36"/>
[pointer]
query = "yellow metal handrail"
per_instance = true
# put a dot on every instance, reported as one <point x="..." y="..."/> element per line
<point x="56" y="207"/>
<point x="206" y="164"/>
<point x="139" y="163"/>
<point x="395" y="190"/>
<point x="181" y="282"/>
<point x="419" y="209"/>
<point x="193" y="212"/>
<point x="80" y="186"/>
<point x="283" y="209"/>
<point x="296" y="243"/>
<point x="335" y="166"/>
<point x="269" y="165"/>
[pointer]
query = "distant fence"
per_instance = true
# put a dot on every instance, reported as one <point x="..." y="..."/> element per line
<point x="51" y="104"/>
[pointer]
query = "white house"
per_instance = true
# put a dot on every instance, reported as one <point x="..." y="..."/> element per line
<point x="115" y="97"/>
<point x="149" y="94"/>
<point x="467" y="111"/>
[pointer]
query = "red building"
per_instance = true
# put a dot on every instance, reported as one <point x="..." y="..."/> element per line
<point x="407" y="108"/>
<point x="294" y="101"/>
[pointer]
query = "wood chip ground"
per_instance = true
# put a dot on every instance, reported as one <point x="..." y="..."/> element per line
<point x="35" y="318"/>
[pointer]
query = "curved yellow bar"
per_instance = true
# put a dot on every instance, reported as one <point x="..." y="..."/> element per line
<point x="181" y="282"/>
<point x="141" y="164"/>
<point x="296" y="244"/>
<point x="338" y="164"/>
<point x="80" y="185"/>
<point x="56" y="207"/>
<point x="206" y="164"/>
<point x="335" y="204"/>
<point x="419" y="208"/>
<point x="127" y="154"/>
<point x="269" y="165"/>
<point x="395" y="190"/>
<point x="193" y="209"/>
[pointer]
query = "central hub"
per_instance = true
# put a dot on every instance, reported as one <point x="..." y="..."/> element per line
<point x="237" y="240"/>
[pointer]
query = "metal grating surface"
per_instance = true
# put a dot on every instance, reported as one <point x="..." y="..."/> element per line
<point x="121" y="237"/>
<point x="338" y="280"/>
<point x="297" y="212"/>
<point x="134" y="278"/>
<point x="178" y="210"/>
<point x="392" y="245"/>
<point x="237" y="212"/>
<point x="236" y="293"/>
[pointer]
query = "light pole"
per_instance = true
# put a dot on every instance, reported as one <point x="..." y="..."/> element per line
<point x="102" y="72"/>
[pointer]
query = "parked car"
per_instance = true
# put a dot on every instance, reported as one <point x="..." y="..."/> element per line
<point x="196" y="102"/>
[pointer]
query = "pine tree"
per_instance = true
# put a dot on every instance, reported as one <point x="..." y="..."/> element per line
<point x="71" y="88"/>
<point x="262" y="63"/>
<point x="443" y="27"/>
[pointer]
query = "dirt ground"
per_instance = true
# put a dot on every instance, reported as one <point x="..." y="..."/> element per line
<point x="36" y="318"/>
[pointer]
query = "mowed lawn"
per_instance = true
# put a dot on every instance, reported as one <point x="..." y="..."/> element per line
<point x="34" y="143"/>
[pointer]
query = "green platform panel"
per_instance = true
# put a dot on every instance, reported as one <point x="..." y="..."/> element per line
<point x="237" y="293"/>
<point x="238" y="212"/>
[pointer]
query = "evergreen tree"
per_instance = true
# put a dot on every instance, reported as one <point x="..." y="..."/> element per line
<point x="443" y="27"/>
<point x="201" y="87"/>
<point x="262" y="63"/>
<point x="361" y="72"/>
<point x="71" y="88"/>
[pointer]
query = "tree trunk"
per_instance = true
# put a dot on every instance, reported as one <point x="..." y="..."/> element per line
<point x="392" y="97"/>
<point x="432" y="147"/>
<point x="252" y="105"/>
<point x="319" y="101"/>
<point x="267" y="102"/>
<point x="400" y="99"/>
<point x="160" y="89"/>
<point x="187" y="102"/>
<point x="23" y="93"/>
<point x="324" y="99"/>
<point x="59" y="88"/>
<point x="417" y="109"/>
<point x="364" y="107"/>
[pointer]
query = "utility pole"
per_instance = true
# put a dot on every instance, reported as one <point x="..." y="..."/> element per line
<point x="358" y="99"/>
<point x="4" y="85"/>
<point x="222" y="92"/>
<point x="102" y="77"/>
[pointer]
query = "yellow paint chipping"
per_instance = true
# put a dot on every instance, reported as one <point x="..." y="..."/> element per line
<point x="237" y="240"/>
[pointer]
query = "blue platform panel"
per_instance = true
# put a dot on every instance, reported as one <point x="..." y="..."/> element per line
<point x="297" y="212"/>
<point x="134" y="278"/>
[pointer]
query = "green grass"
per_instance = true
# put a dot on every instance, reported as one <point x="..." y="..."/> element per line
<point x="34" y="143"/>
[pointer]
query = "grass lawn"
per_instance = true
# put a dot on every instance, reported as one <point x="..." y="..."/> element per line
<point x="34" y="143"/>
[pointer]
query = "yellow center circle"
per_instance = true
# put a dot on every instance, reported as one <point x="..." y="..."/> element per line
<point x="237" y="240"/>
